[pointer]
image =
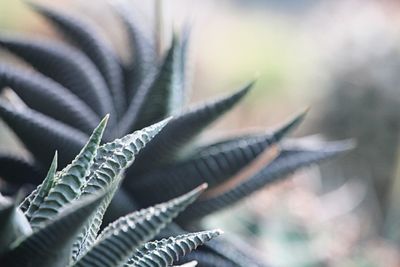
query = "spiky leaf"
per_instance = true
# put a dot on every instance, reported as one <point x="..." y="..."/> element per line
<point x="184" y="128"/>
<point x="84" y="35"/>
<point x="65" y="65"/>
<point x="291" y="158"/>
<point x="107" y="171"/>
<point x="212" y="165"/>
<point x="165" y="252"/>
<point x="33" y="127"/>
<point x="32" y="202"/>
<point x="70" y="180"/>
<point x="117" y="241"/>
<point x="141" y="48"/>
<point x="153" y="101"/>
<point x="50" y="245"/>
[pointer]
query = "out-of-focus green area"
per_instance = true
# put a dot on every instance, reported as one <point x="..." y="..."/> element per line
<point x="342" y="59"/>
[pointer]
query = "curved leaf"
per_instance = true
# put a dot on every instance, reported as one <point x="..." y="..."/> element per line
<point x="165" y="252"/>
<point x="50" y="245"/>
<point x="213" y="165"/>
<point x="290" y="159"/>
<point x="116" y="243"/>
<point x="153" y="102"/>
<point x="33" y="89"/>
<point x="18" y="171"/>
<point x="107" y="171"/>
<point x="35" y="129"/>
<point x="85" y="36"/>
<point x="183" y="129"/>
<point x="70" y="181"/>
<point x="141" y="48"/>
<point x="65" y="65"/>
<point x="32" y="202"/>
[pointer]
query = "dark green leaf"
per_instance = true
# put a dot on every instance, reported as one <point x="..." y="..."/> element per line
<point x="65" y="65"/>
<point x="43" y="135"/>
<point x="291" y="158"/>
<point x="84" y="35"/>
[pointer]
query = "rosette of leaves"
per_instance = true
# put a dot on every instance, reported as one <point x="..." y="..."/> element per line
<point x="58" y="224"/>
<point x="72" y="84"/>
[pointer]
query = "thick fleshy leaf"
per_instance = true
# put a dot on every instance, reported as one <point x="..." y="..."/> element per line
<point x="117" y="241"/>
<point x="285" y="129"/>
<point x="107" y="171"/>
<point x="13" y="224"/>
<point x="183" y="129"/>
<point x="84" y="35"/>
<point x="33" y="201"/>
<point x="165" y="252"/>
<point x="225" y="251"/>
<point x="291" y="158"/>
<point x="48" y="97"/>
<point x="65" y="65"/>
<point x="70" y="181"/>
<point x="153" y="103"/>
<point x="152" y="100"/>
<point x="18" y="171"/>
<point x="50" y="245"/>
<point x="35" y="129"/>
<point x="141" y="48"/>
<point x="213" y="165"/>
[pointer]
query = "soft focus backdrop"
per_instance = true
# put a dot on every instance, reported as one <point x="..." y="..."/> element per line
<point x="342" y="59"/>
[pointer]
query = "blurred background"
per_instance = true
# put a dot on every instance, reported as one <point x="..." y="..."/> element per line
<point x="339" y="57"/>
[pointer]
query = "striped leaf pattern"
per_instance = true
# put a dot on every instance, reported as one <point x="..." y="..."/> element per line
<point x="32" y="202"/>
<point x="184" y="128"/>
<point x="113" y="158"/>
<point x="70" y="180"/>
<point x="115" y="244"/>
<point x="167" y="251"/>
<point x="85" y="36"/>
<point x="291" y="158"/>
<point x="66" y="66"/>
<point x="213" y="165"/>
<point x="82" y="79"/>
<point x="49" y="246"/>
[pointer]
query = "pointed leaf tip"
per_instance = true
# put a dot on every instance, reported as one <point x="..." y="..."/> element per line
<point x="164" y="122"/>
<point x="344" y="145"/>
<point x="246" y="88"/>
<point x="195" y="193"/>
<point x="291" y="124"/>
<point x="217" y="232"/>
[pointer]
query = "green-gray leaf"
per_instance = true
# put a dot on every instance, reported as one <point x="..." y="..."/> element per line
<point x="165" y="252"/>
<point x="50" y="245"/>
<point x="117" y="242"/>
<point x="70" y="181"/>
<point x="291" y="158"/>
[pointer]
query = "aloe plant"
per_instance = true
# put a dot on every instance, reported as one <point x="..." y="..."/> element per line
<point x="82" y="80"/>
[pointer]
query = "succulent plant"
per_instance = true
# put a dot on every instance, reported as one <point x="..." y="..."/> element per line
<point x="82" y="79"/>
<point x="58" y="223"/>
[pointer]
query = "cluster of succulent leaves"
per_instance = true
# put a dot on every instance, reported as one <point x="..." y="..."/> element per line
<point x="58" y="224"/>
<point x="73" y="84"/>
